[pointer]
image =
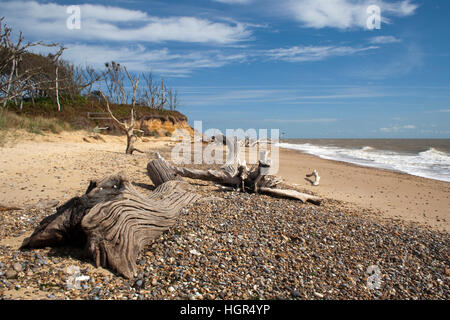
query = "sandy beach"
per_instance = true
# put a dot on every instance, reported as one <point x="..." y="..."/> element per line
<point x="390" y="194"/>
<point x="230" y="245"/>
<point x="55" y="167"/>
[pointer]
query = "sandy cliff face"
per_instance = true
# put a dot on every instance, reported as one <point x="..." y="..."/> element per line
<point x="163" y="126"/>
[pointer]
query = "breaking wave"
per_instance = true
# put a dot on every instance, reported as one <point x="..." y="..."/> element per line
<point x="432" y="164"/>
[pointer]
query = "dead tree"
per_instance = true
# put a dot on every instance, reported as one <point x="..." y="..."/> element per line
<point x="13" y="84"/>
<point x="127" y="128"/>
<point x="236" y="175"/>
<point x="55" y="58"/>
<point x="113" y="222"/>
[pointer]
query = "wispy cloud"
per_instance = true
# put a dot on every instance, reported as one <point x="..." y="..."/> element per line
<point x="344" y="14"/>
<point x="140" y="58"/>
<point x="233" y="1"/>
<point x="319" y="120"/>
<point x="313" y="53"/>
<point x="398" y="128"/>
<point x="118" y="24"/>
<point x="384" y="40"/>
<point x="286" y="96"/>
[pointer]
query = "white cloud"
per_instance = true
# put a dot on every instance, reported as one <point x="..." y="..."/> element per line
<point x="398" y="128"/>
<point x="98" y="22"/>
<point x="139" y="58"/>
<point x="313" y="53"/>
<point x="344" y="14"/>
<point x="384" y="40"/>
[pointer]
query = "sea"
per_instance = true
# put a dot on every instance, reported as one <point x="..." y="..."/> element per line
<point x="428" y="158"/>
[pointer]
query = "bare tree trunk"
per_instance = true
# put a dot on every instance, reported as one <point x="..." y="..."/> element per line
<point x="113" y="221"/>
<point x="57" y="87"/>
<point x="8" y="88"/>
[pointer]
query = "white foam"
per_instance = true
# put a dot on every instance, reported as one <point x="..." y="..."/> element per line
<point x="433" y="164"/>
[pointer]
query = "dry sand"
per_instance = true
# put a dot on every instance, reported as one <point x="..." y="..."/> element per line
<point x="58" y="167"/>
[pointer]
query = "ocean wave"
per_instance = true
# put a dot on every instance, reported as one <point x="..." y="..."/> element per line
<point x="432" y="164"/>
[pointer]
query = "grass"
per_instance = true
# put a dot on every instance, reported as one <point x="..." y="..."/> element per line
<point x="33" y="124"/>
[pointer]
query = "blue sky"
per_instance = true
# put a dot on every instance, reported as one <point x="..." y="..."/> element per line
<point x="311" y="68"/>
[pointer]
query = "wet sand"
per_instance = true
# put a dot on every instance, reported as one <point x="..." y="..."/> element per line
<point x="390" y="194"/>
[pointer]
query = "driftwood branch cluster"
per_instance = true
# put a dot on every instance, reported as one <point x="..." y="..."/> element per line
<point x="113" y="222"/>
<point x="236" y="175"/>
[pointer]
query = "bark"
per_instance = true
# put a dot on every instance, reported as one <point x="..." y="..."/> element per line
<point x="113" y="221"/>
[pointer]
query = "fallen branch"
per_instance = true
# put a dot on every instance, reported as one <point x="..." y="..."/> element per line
<point x="8" y="208"/>
<point x="303" y="197"/>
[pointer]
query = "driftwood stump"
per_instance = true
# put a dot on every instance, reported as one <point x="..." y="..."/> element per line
<point x="113" y="221"/>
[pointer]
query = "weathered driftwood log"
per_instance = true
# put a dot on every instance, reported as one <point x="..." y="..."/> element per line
<point x="238" y="176"/>
<point x="113" y="221"/>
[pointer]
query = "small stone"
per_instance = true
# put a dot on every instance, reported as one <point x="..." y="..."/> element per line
<point x="195" y="252"/>
<point x="154" y="282"/>
<point x="266" y="269"/>
<point x="171" y="289"/>
<point x="10" y="274"/>
<point x="138" y="284"/>
<point x="295" y="294"/>
<point x="318" y="295"/>
<point x="198" y="296"/>
<point x="73" y="269"/>
<point x="17" y="267"/>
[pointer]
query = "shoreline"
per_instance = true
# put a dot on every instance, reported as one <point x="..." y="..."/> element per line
<point x="54" y="167"/>
<point x="387" y="193"/>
